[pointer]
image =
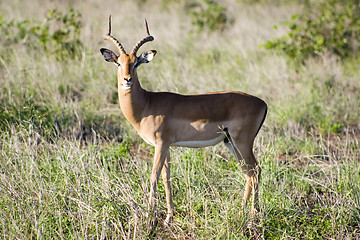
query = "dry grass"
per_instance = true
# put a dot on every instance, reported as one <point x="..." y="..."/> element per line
<point x="79" y="172"/>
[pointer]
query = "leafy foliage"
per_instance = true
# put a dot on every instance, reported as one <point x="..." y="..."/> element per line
<point x="58" y="34"/>
<point x="28" y="114"/>
<point x="55" y="186"/>
<point x="208" y="15"/>
<point x="29" y="97"/>
<point x="330" y="26"/>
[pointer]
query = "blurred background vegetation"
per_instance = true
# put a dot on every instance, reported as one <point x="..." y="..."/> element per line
<point x="63" y="135"/>
<point x="318" y="30"/>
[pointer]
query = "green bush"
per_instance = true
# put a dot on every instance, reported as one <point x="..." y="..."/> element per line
<point x="329" y="26"/>
<point x="208" y="15"/>
<point x="27" y="113"/>
<point x="58" y="34"/>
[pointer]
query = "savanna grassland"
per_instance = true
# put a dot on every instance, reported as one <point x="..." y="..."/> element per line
<point x="72" y="167"/>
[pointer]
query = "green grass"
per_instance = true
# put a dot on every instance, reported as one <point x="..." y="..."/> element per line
<point x="72" y="167"/>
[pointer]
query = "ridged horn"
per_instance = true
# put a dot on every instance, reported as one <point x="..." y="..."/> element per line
<point x="144" y="40"/>
<point x="114" y="40"/>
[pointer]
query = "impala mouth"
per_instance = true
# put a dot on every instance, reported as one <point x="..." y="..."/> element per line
<point x="126" y="85"/>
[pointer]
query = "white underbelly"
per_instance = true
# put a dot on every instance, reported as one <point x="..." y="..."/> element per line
<point x="199" y="143"/>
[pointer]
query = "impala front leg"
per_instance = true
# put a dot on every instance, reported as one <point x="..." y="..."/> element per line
<point x="165" y="172"/>
<point x="161" y="153"/>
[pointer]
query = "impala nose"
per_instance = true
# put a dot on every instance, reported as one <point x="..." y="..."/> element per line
<point x="128" y="79"/>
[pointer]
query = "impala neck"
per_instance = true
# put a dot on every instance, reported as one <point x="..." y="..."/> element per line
<point x="132" y="101"/>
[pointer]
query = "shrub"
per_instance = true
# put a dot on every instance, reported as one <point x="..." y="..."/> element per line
<point x="61" y="33"/>
<point x="58" y="34"/>
<point x="208" y="15"/>
<point x="27" y="113"/>
<point x="330" y="26"/>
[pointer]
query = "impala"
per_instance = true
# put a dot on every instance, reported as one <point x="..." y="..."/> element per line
<point x="165" y="119"/>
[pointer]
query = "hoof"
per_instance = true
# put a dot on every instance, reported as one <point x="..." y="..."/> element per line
<point x="254" y="212"/>
<point x="168" y="220"/>
<point x="152" y="227"/>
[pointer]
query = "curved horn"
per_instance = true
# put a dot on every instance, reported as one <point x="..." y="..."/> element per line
<point x="114" y="40"/>
<point x="142" y="41"/>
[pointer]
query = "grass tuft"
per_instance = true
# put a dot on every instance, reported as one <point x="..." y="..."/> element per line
<point x="72" y="167"/>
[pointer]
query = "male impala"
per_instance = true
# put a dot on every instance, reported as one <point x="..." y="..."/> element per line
<point x="165" y="119"/>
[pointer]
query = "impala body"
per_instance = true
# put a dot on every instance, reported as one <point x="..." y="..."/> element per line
<point x="165" y="119"/>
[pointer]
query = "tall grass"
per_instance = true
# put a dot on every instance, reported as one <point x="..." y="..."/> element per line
<point x="72" y="167"/>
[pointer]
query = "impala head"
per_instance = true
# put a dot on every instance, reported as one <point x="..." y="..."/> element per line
<point x="127" y="63"/>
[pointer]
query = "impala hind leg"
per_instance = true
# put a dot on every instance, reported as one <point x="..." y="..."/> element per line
<point x="252" y="172"/>
<point x="243" y="153"/>
<point x="165" y="172"/>
<point x="252" y="175"/>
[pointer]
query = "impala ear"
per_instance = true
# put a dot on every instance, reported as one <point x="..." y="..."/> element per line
<point x="145" y="57"/>
<point x="109" y="55"/>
